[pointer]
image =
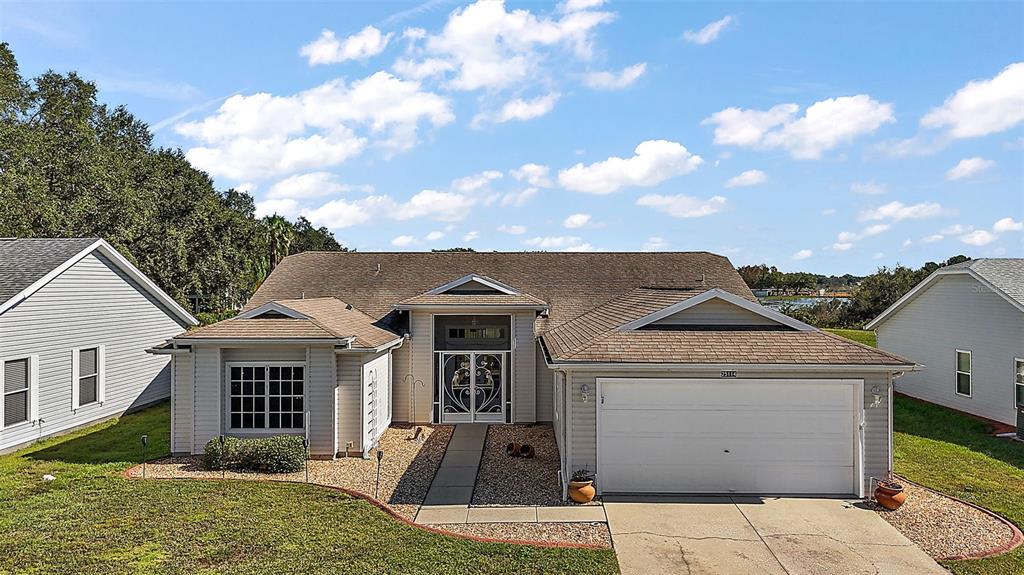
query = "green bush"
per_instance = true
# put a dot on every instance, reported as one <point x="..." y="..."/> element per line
<point x="275" y="454"/>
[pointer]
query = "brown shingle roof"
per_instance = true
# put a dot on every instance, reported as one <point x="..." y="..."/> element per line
<point x="329" y="318"/>
<point x="471" y="299"/>
<point x="571" y="283"/>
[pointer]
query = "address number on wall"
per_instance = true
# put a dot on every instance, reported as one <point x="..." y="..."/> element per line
<point x="728" y="373"/>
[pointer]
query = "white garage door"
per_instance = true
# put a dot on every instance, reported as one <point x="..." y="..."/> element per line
<point x="729" y="436"/>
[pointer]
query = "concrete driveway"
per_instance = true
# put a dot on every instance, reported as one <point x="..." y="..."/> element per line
<point x="739" y="535"/>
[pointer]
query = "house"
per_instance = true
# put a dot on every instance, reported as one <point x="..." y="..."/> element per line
<point x="75" y="320"/>
<point x="965" y="323"/>
<point x="658" y="371"/>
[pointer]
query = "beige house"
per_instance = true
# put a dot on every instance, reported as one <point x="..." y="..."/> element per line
<point x="659" y="372"/>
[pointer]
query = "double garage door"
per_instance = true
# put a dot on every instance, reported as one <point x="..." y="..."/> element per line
<point x="729" y="436"/>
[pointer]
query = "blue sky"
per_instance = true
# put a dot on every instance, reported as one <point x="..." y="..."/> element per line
<point x="831" y="138"/>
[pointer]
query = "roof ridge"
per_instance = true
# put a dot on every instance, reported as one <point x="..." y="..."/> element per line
<point x="863" y="346"/>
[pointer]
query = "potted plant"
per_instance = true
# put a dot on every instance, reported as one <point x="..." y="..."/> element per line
<point x="581" y="486"/>
<point x="890" y="494"/>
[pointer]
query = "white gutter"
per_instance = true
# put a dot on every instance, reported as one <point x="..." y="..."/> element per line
<point x="259" y="341"/>
<point x="391" y="344"/>
<point x="399" y="306"/>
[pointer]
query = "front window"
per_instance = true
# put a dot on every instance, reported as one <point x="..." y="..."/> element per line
<point x="963" y="373"/>
<point x="1018" y="371"/>
<point x="15" y="391"/>
<point x="88" y="375"/>
<point x="267" y="396"/>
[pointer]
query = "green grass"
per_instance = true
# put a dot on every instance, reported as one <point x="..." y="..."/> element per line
<point x="92" y="520"/>
<point x="956" y="454"/>
<point x="858" y="335"/>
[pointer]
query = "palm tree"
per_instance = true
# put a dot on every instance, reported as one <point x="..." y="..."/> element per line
<point x="279" y="238"/>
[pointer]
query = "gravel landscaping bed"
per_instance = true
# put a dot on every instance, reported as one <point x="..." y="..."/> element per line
<point x="407" y="469"/>
<point x="585" y="533"/>
<point x="503" y="480"/>
<point x="944" y="527"/>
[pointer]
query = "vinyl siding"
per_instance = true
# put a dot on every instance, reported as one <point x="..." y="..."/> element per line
<point x="92" y="303"/>
<point x="349" y="401"/>
<point x="524" y="394"/>
<point x="545" y="387"/>
<point x="206" y="396"/>
<point x="182" y="440"/>
<point x="319" y="401"/>
<point x="583" y="415"/>
<point x="958" y="312"/>
<point x="401" y="397"/>
<point x="715" y="312"/>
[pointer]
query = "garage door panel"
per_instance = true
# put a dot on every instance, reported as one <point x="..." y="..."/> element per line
<point x="764" y="436"/>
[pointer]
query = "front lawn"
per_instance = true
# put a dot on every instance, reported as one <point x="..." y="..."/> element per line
<point x="92" y="520"/>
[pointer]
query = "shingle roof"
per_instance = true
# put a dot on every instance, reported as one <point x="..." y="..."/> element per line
<point x="329" y="318"/>
<point x="1007" y="274"/>
<point x="571" y="283"/>
<point x="23" y="261"/>
<point x="471" y="299"/>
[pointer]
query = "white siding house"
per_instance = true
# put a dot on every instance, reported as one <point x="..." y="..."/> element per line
<point x="965" y="324"/>
<point x="75" y="321"/>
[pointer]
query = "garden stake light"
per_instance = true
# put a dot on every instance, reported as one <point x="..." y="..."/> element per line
<point x="145" y="444"/>
<point x="223" y="464"/>
<point x="376" y="490"/>
<point x="305" y="462"/>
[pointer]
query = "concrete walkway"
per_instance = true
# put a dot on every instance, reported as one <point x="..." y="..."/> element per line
<point x="738" y="535"/>
<point x="449" y="497"/>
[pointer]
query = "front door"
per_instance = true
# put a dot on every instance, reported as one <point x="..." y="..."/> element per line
<point x="472" y="387"/>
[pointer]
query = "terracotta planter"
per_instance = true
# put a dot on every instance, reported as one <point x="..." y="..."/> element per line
<point x="890" y="495"/>
<point x="526" y="451"/>
<point x="582" y="491"/>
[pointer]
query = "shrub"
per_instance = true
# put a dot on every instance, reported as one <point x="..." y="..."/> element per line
<point x="276" y="454"/>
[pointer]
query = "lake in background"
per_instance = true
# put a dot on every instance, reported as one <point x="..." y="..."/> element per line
<point x="778" y="304"/>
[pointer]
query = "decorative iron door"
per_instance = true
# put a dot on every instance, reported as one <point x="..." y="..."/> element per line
<point x="472" y="387"/>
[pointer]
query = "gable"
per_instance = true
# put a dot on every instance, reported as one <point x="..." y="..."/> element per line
<point x="714" y="312"/>
<point x="474" y="284"/>
<point x="474" y="287"/>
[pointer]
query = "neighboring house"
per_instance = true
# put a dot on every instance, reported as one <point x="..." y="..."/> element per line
<point x="965" y="324"/>
<point x="658" y="371"/>
<point x="75" y="320"/>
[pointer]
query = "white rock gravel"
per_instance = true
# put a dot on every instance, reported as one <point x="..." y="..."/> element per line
<point x="503" y="480"/>
<point x="584" y="533"/>
<point x="407" y="469"/>
<point x="944" y="527"/>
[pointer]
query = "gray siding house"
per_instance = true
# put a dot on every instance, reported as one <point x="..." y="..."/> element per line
<point x="965" y="324"/>
<point x="75" y="320"/>
<point x="659" y="372"/>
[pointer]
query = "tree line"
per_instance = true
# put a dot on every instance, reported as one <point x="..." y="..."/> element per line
<point x="763" y="276"/>
<point x="870" y="296"/>
<point x="71" y="166"/>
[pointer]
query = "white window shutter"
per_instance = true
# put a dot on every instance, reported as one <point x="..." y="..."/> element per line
<point x="33" y="388"/>
<point x="74" y="378"/>
<point x="101" y="375"/>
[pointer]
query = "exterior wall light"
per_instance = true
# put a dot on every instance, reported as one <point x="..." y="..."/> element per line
<point x="877" y="393"/>
<point x="585" y="392"/>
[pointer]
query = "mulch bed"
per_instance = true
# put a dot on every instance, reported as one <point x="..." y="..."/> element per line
<point x="407" y="469"/>
<point x="583" y="533"/>
<point x="503" y="480"/>
<point x="943" y="527"/>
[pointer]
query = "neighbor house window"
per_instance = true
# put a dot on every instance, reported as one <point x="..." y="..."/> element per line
<point x="963" y="372"/>
<point x="267" y="396"/>
<point x="15" y="392"/>
<point x="88" y="375"/>
<point x="1018" y="374"/>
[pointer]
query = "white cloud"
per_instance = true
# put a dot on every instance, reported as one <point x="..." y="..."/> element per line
<point x="709" y="33"/>
<point x="519" y="110"/>
<point x="476" y="182"/>
<point x="878" y="255"/>
<point x="845" y="240"/>
<point x="533" y="174"/>
<point x="310" y="185"/>
<point x="956" y="229"/>
<point x="576" y="221"/>
<point x="802" y="254"/>
<point x="341" y="213"/>
<point x="1007" y="225"/>
<point x="654" y="244"/>
<point x="443" y="206"/>
<point x="747" y="178"/>
<point x="327" y="49"/>
<point x="262" y="135"/>
<point x="283" y="207"/>
<point x="681" y="206"/>
<point x="828" y="212"/>
<point x="517" y="199"/>
<point x="563" y="243"/>
<point x="577" y="5"/>
<point x="978" y="238"/>
<point x="870" y="188"/>
<point x="470" y="236"/>
<point x="824" y="125"/>
<point x="653" y="162"/>
<point x="906" y="244"/>
<point x="897" y="211"/>
<point x="842" y="246"/>
<point x="968" y="167"/>
<point x="434" y="236"/>
<point x="403" y="241"/>
<point x="933" y="238"/>
<point x="613" y="80"/>
<point x="513" y="229"/>
<point x="487" y="47"/>
<point x="982" y="106"/>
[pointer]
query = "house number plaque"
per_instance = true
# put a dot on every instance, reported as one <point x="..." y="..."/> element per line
<point x="728" y="373"/>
